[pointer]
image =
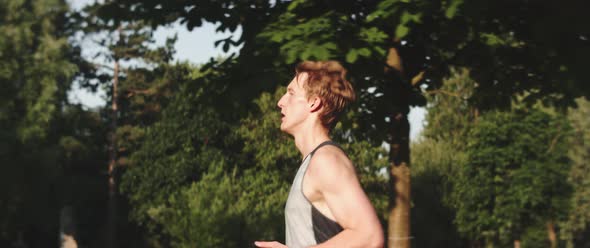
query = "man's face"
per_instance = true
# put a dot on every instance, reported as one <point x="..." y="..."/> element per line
<point x="294" y="105"/>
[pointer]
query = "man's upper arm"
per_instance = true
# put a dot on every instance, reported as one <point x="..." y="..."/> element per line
<point x="335" y="178"/>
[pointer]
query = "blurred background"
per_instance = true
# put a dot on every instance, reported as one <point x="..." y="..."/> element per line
<point x="131" y="123"/>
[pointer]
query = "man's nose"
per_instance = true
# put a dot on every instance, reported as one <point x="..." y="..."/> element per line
<point x="280" y="103"/>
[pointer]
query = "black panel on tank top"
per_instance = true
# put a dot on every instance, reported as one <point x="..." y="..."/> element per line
<point x="323" y="227"/>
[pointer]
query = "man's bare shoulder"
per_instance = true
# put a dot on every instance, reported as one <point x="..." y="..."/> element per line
<point x="330" y="163"/>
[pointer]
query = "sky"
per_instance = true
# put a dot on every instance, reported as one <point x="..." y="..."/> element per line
<point x="196" y="47"/>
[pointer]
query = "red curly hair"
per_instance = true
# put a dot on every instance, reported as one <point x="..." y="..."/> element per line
<point x="327" y="80"/>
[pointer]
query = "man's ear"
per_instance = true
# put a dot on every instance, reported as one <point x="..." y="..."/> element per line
<point x="315" y="104"/>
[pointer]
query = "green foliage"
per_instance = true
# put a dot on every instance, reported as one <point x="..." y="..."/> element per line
<point x="434" y="167"/>
<point x="171" y="149"/>
<point x="494" y="172"/>
<point x="515" y="175"/>
<point x="437" y="158"/>
<point x="190" y="181"/>
<point x="36" y="70"/>
<point x="304" y="40"/>
<point x="261" y="133"/>
<point x="143" y="93"/>
<point x="535" y="236"/>
<point x="578" y="221"/>
<point x="452" y="8"/>
<point x="450" y="114"/>
<point x="206" y="212"/>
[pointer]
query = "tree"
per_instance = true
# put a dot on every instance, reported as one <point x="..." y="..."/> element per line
<point x="450" y="114"/>
<point x="37" y="66"/>
<point x="576" y="225"/>
<point x="437" y="158"/>
<point x="442" y="153"/>
<point x="435" y="164"/>
<point x="130" y="81"/>
<point x="515" y="175"/>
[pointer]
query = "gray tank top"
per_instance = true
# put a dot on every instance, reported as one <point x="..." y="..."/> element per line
<point x="304" y="224"/>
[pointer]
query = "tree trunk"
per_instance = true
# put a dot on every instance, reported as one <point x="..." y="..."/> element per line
<point x="111" y="225"/>
<point x="399" y="224"/>
<point x="551" y="234"/>
<point x="399" y="215"/>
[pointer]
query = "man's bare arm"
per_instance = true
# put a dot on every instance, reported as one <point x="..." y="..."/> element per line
<point x="332" y="174"/>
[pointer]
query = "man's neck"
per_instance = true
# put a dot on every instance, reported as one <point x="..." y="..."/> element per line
<point x="309" y="138"/>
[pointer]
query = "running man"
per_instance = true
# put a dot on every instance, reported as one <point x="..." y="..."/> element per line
<point x="326" y="206"/>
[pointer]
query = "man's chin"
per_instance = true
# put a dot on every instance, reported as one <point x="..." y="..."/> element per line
<point x="284" y="129"/>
